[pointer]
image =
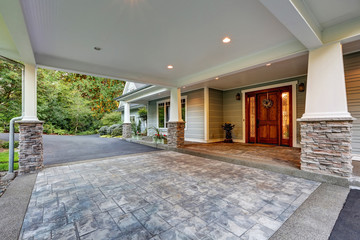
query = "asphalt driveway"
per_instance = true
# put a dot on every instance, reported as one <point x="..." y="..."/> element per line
<point x="64" y="149"/>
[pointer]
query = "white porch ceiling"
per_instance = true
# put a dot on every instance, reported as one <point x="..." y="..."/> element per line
<point x="139" y="38"/>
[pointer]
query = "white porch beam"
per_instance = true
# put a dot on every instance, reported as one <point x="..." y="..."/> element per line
<point x="175" y="105"/>
<point x="325" y="91"/>
<point x="293" y="14"/>
<point x="30" y="98"/>
<point x="126" y="112"/>
<point x="12" y="14"/>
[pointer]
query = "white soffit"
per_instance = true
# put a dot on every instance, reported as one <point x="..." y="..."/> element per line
<point x="7" y="46"/>
<point x="331" y="12"/>
<point x="293" y="67"/>
<point x="140" y="38"/>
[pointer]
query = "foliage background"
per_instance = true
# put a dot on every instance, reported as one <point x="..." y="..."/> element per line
<point x="69" y="103"/>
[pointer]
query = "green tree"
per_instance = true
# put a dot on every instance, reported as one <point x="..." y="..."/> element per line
<point x="10" y="92"/>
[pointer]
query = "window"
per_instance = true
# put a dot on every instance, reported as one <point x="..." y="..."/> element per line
<point x="163" y="112"/>
<point x="132" y="119"/>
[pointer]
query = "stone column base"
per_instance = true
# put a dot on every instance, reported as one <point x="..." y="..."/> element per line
<point x="126" y="130"/>
<point x="175" y="132"/>
<point x="326" y="146"/>
<point x="31" y="146"/>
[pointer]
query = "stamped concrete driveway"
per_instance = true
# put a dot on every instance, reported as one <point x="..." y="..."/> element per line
<point x="63" y="149"/>
<point x="161" y="195"/>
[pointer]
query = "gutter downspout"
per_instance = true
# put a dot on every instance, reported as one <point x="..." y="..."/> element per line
<point x="12" y="121"/>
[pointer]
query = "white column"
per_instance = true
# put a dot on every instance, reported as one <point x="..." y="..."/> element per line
<point x="206" y="113"/>
<point x="126" y="112"/>
<point x="175" y="105"/>
<point x="30" y="96"/>
<point x="325" y="90"/>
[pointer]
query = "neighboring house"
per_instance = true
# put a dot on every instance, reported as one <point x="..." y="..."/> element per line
<point x="134" y="115"/>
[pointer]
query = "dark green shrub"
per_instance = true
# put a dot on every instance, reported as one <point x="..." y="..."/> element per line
<point x="117" y="131"/>
<point x="112" y="127"/>
<point x="111" y="118"/>
<point x="103" y="130"/>
<point x="60" y="131"/>
<point x="49" y="128"/>
<point x="138" y="128"/>
<point x="6" y="144"/>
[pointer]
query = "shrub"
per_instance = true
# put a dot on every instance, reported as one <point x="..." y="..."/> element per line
<point x="6" y="144"/>
<point x="111" y="119"/>
<point x="103" y="130"/>
<point x="60" y="131"/>
<point x="112" y="127"/>
<point x="88" y="132"/>
<point x="49" y="128"/>
<point x="143" y="113"/>
<point x="2" y="129"/>
<point x="117" y="131"/>
<point x="138" y="128"/>
<point x="134" y="128"/>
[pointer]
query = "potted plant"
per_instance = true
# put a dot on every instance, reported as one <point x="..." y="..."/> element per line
<point x="228" y="127"/>
<point x="165" y="139"/>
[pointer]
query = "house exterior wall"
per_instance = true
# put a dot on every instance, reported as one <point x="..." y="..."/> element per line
<point x="134" y="112"/>
<point x="216" y="115"/>
<point x="233" y="113"/>
<point x="194" y="129"/>
<point x="195" y="115"/>
<point x="352" y="81"/>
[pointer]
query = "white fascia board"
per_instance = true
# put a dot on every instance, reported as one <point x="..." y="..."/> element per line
<point x="298" y="19"/>
<point x="147" y="92"/>
<point x="12" y="14"/>
<point x="244" y="63"/>
<point x="343" y="32"/>
<point x="74" y="66"/>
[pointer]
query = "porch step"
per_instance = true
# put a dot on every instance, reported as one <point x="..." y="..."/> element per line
<point x="344" y="182"/>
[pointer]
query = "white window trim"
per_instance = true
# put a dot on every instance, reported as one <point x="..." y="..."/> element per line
<point x="134" y="118"/>
<point x="168" y="100"/>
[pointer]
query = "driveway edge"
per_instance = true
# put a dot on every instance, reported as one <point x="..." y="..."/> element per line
<point x="13" y="205"/>
<point x="316" y="217"/>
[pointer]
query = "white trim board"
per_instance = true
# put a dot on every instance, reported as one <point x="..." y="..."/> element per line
<point x="356" y="157"/>
<point x="293" y="84"/>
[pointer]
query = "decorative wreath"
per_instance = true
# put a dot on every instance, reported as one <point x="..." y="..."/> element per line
<point x="267" y="103"/>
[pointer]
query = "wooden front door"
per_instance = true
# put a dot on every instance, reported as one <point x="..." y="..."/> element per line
<point x="269" y="116"/>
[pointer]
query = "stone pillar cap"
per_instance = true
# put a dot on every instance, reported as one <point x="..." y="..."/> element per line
<point x="29" y="121"/>
<point x="335" y="119"/>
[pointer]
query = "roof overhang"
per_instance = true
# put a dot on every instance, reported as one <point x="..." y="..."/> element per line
<point x="142" y="94"/>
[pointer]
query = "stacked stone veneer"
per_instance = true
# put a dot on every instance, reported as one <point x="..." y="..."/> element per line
<point x="31" y="147"/>
<point x="126" y="130"/>
<point x="326" y="147"/>
<point x="175" y="134"/>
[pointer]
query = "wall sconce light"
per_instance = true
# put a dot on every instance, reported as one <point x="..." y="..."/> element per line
<point x="301" y="87"/>
<point x="238" y="96"/>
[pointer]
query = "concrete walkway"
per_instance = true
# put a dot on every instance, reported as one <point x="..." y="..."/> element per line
<point x="161" y="195"/>
<point x="13" y="206"/>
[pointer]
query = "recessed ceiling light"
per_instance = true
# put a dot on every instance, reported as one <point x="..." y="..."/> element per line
<point x="217" y="78"/>
<point x="97" y="48"/>
<point x="268" y="64"/>
<point x="170" y="66"/>
<point x="226" y="40"/>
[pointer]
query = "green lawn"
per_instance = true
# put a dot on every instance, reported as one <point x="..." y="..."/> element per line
<point x="4" y="159"/>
